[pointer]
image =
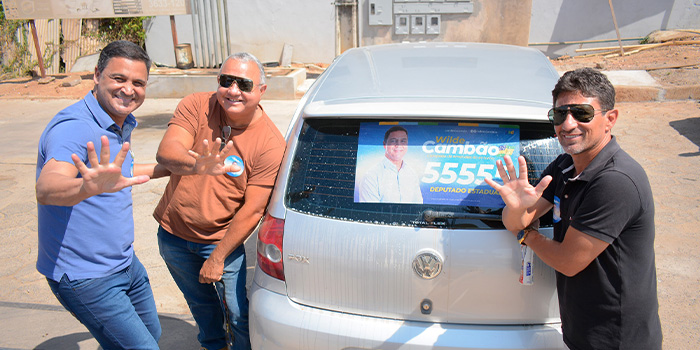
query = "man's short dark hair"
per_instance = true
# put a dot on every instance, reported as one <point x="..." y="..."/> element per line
<point x="590" y="83"/>
<point x="392" y="129"/>
<point x="125" y="49"/>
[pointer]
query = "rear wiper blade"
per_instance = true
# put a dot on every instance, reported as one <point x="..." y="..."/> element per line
<point x="430" y="215"/>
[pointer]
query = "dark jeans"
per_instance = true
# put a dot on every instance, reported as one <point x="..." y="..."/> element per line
<point x="118" y="310"/>
<point x="184" y="260"/>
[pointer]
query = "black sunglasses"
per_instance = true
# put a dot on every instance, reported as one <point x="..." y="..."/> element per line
<point x="583" y="113"/>
<point x="244" y="84"/>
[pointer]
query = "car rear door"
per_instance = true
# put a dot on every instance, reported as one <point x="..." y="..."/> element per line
<point x="391" y="260"/>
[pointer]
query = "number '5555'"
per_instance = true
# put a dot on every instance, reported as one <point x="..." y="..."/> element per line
<point x="463" y="175"/>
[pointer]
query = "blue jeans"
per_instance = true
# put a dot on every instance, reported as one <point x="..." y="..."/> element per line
<point x="118" y="310"/>
<point x="184" y="260"/>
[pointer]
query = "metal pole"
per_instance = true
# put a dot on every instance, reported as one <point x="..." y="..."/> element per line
<point x="38" y="49"/>
<point x="174" y="30"/>
<point x="227" y="31"/>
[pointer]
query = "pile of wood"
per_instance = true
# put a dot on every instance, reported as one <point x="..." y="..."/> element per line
<point x="655" y="39"/>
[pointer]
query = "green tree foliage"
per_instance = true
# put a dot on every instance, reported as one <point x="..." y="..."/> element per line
<point x="123" y="28"/>
<point x="14" y="49"/>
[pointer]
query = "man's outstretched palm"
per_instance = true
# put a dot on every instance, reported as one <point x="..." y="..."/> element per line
<point x="212" y="163"/>
<point x="103" y="176"/>
<point x="516" y="192"/>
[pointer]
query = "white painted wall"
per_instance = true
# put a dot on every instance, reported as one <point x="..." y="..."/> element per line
<point x="578" y="20"/>
<point x="262" y="27"/>
<point x="159" y="38"/>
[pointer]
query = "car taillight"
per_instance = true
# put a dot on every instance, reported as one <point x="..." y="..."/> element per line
<point x="270" y="247"/>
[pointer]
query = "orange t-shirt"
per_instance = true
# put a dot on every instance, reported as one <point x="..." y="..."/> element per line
<point x="199" y="208"/>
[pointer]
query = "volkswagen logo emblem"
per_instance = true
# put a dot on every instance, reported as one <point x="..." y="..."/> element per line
<point x="427" y="265"/>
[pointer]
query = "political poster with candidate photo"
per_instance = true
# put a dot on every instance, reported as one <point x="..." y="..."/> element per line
<point x="432" y="163"/>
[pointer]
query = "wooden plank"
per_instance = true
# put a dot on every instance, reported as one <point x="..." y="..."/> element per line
<point x="48" y="38"/>
<point x="71" y="45"/>
<point x="173" y="29"/>
<point x="37" y="48"/>
<point x="646" y="46"/>
<point x="617" y="30"/>
<point x="674" y="66"/>
<point x="607" y="48"/>
<point x="583" y="41"/>
<point x="88" y="43"/>
<point x="52" y="45"/>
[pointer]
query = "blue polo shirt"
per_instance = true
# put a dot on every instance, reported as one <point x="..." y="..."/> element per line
<point x="94" y="237"/>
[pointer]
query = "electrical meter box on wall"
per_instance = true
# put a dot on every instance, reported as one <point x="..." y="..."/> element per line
<point x="415" y="16"/>
<point x="432" y="24"/>
<point x="415" y="8"/>
<point x="380" y="12"/>
<point x="402" y="24"/>
<point x="417" y="24"/>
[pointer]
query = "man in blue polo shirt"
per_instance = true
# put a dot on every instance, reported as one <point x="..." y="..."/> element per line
<point x="86" y="225"/>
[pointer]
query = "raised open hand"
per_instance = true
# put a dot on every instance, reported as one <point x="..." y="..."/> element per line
<point x="212" y="161"/>
<point x="517" y="192"/>
<point x="104" y="176"/>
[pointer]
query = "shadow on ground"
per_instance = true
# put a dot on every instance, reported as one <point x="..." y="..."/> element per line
<point x="155" y="121"/>
<point x="690" y="129"/>
<point x="177" y="334"/>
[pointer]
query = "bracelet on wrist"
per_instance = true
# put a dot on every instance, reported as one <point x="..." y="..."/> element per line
<point x="522" y="235"/>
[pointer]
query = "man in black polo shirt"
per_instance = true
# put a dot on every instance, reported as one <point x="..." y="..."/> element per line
<point x="603" y="246"/>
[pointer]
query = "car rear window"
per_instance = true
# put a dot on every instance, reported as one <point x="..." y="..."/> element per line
<point x="333" y="158"/>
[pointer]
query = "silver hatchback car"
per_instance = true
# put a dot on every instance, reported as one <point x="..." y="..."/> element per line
<point x="381" y="233"/>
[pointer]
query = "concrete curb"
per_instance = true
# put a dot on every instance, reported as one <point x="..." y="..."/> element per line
<point x="640" y="86"/>
<point x="682" y="92"/>
<point x="656" y="93"/>
<point x="630" y="85"/>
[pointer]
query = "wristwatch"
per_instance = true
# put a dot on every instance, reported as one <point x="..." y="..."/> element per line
<point x="524" y="232"/>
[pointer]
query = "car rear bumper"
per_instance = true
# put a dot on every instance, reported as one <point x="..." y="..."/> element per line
<point x="276" y="322"/>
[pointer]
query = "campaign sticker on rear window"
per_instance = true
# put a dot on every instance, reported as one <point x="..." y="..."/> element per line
<point x="432" y="163"/>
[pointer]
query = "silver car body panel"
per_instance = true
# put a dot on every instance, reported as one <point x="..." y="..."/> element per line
<point x="277" y="323"/>
<point x="453" y="71"/>
<point x="426" y="110"/>
<point x="367" y="269"/>
<point x="351" y="285"/>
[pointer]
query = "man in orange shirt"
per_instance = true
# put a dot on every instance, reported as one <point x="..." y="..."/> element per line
<point x="224" y="153"/>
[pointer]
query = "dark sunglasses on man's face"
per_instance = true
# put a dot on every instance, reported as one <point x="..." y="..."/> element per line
<point x="244" y="84"/>
<point x="583" y="113"/>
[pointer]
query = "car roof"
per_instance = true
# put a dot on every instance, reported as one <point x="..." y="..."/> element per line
<point x="435" y="80"/>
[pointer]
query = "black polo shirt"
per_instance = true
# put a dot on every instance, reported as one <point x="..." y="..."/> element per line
<point x="612" y="303"/>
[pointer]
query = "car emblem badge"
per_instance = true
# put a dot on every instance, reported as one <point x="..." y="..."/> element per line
<point x="427" y="265"/>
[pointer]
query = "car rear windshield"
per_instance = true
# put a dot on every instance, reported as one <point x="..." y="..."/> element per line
<point x="410" y="173"/>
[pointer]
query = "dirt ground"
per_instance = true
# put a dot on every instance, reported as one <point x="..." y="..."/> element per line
<point x="674" y="65"/>
<point x="663" y="136"/>
<point x="684" y="60"/>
